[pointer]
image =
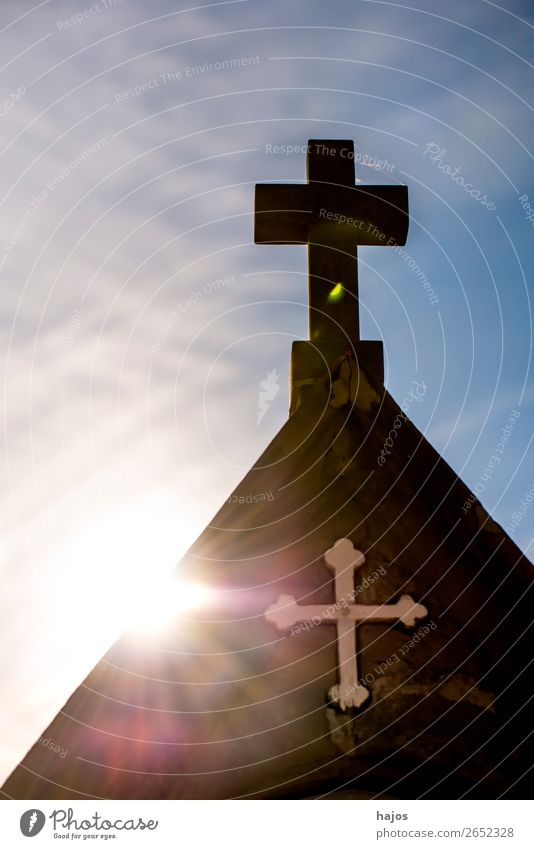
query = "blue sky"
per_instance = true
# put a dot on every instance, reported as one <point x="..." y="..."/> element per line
<point x="138" y="318"/>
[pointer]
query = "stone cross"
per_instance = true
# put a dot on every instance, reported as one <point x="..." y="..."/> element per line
<point x="343" y="559"/>
<point x="332" y="216"/>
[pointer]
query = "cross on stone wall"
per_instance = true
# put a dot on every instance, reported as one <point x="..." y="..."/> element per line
<point x="343" y="559"/>
<point x="332" y="216"/>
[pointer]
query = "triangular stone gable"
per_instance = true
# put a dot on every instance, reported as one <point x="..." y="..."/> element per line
<point x="231" y="707"/>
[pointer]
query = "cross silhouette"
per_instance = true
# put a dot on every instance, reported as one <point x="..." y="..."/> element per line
<point x="343" y="559"/>
<point x="332" y="216"/>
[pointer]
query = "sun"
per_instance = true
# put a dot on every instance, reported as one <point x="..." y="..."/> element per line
<point x="119" y="573"/>
<point x="153" y="605"/>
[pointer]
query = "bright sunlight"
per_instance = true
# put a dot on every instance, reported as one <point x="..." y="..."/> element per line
<point x="119" y="573"/>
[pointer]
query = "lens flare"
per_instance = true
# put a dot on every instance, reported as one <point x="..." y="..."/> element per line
<point x="336" y="294"/>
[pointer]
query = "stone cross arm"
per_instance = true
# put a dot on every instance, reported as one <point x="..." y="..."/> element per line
<point x="355" y="215"/>
<point x="286" y="612"/>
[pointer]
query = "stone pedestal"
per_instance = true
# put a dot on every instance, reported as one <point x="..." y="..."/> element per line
<point x="318" y="363"/>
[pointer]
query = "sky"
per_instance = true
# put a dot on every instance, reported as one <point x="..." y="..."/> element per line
<point x="138" y="318"/>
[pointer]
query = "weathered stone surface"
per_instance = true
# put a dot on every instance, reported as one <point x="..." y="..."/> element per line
<point x="229" y="707"/>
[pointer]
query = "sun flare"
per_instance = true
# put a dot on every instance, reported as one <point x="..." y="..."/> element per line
<point x="119" y="573"/>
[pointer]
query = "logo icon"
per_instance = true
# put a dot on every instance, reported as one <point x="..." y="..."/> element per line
<point x="32" y="822"/>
